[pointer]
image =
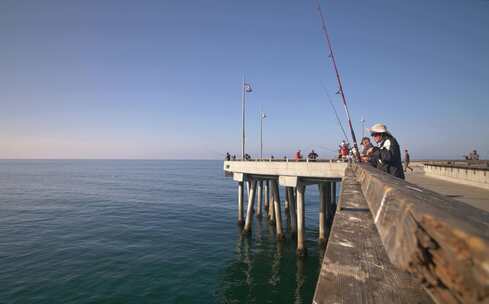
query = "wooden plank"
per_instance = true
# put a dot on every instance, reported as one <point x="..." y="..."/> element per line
<point x="443" y="242"/>
<point x="355" y="267"/>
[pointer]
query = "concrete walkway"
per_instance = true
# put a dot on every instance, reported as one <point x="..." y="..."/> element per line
<point x="477" y="197"/>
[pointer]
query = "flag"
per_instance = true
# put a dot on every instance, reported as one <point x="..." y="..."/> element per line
<point x="247" y="88"/>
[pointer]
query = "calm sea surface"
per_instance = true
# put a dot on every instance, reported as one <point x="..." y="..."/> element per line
<point x="119" y="231"/>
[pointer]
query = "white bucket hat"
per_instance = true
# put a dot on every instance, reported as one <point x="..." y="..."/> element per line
<point x="378" y="128"/>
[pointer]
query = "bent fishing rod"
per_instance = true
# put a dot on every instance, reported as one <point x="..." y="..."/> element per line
<point x="338" y="78"/>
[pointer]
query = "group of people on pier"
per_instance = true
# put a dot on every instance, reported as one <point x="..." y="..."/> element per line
<point x="387" y="155"/>
<point x="311" y="156"/>
<point x="472" y="156"/>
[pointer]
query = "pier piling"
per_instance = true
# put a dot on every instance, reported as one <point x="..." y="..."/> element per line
<point x="324" y="210"/>
<point x="266" y="195"/>
<point x="301" y="250"/>
<point x="292" y="211"/>
<point x="240" y="203"/>
<point x="287" y="200"/>
<point x="259" y="195"/>
<point x="278" y="213"/>
<point x="251" y="203"/>
<point x="271" y="205"/>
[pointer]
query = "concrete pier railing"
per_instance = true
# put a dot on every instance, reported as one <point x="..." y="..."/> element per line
<point x="472" y="174"/>
<point x="443" y="242"/>
<point x="314" y="169"/>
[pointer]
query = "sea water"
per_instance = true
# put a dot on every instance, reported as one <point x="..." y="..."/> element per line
<point x="142" y="231"/>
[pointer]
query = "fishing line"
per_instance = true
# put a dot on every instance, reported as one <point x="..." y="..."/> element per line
<point x="338" y="78"/>
<point x="336" y="113"/>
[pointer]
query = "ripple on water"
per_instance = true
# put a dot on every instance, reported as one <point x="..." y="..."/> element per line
<point x="128" y="231"/>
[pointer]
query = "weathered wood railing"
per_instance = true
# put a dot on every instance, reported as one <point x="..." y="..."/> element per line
<point x="442" y="242"/>
<point x="356" y="268"/>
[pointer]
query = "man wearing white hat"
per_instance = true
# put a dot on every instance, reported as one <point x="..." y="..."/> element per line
<point x="388" y="155"/>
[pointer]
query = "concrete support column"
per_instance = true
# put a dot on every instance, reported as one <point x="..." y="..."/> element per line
<point x="301" y="190"/>
<point x="292" y="211"/>
<point x="278" y="214"/>
<point x="266" y="195"/>
<point x="324" y="209"/>
<point x="259" y="198"/>
<point x="287" y="200"/>
<point x="271" y="205"/>
<point x="251" y="203"/>
<point x="240" y="203"/>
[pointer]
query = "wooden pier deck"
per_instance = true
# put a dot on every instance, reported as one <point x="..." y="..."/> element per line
<point x="356" y="268"/>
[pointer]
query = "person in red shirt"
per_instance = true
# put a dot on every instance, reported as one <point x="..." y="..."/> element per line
<point x="344" y="150"/>
<point x="298" y="155"/>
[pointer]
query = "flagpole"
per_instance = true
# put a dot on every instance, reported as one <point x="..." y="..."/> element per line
<point x="243" y="121"/>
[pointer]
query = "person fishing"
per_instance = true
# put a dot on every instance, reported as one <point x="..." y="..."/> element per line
<point x="388" y="156"/>
<point x="473" y="156"/>
<point x="367" y="145"/>
<point x="298" y="155"/>
<point x="313" y="155"/>
<point x="368" y="151"/>
<point x="344" y="150"/>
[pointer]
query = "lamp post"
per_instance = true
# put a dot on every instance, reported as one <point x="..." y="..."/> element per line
<point x="246" y="89"/>
<point x="262" y="117"/>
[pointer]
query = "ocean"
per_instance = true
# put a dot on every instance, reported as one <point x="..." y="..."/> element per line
<point x="142" y="231"/>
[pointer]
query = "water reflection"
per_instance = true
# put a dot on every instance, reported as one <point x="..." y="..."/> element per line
<point x="299" y="281"/>
<point x="267" y="271"/>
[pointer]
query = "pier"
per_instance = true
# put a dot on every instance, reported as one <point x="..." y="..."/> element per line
<point x="387" y="240"/>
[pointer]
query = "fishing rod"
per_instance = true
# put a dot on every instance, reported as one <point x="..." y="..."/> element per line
<point x="336" y="114"/>
<point x="340" y="86"/>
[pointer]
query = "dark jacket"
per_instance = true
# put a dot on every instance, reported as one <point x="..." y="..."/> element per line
<point x="373" y="159"/>
<point x="388" y="157"/>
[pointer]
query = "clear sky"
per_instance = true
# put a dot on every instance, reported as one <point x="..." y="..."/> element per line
<point x="162" y="79"/>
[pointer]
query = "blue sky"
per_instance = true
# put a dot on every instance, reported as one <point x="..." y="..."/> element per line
<point x="162" y="79"/>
